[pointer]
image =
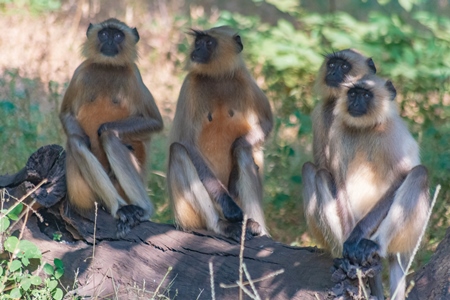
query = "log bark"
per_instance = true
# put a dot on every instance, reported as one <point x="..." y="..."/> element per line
<point x="135" y="267"/>
<point x="433" y="280"/>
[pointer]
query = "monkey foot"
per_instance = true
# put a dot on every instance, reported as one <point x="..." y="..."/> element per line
<point x="345" y="275"/>
<point x="234" y="230"/>
<point x="128" y="217"/>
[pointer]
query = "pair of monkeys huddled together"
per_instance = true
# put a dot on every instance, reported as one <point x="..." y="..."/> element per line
<point x="365" y="193"/>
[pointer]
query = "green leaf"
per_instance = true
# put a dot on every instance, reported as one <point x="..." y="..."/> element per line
<point x="25" y="284"/>
<point x="14" y="214"/>
<point x="29" y="249"/>
<point x="15" y="265"/>
<point x="58" y="295"/>
<point x="52" y="284"/>
<point x="59" y="273"/>
<point x="48" y="269"/>
<point x="36" y="280"/>
<point x="58" y="263"/>
<point x="15" y="293"/>
<point x="406" y="4"/>
<point x="1" y="271"/>
<point x="11" y="244"/>
<point x="4" y="223"/>
<point x="25" y="261"/>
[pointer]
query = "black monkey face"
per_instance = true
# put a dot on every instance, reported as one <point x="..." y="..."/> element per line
<point x="359" y="101"/>
<point x="337" y="69"/>
<point x="204" y="48"/>
<point x="110" y="40"/>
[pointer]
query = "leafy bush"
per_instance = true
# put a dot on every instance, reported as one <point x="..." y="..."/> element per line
<point x="16" y="281"/>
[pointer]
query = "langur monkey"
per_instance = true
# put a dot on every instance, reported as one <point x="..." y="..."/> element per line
<point x="221" y="121"/>
<point x="347" y="65"/>
<point x="372" y="196"/>
<point x="108" y="115"/>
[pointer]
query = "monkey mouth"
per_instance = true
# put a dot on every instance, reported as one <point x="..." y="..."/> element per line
<point x="199" y="59"/>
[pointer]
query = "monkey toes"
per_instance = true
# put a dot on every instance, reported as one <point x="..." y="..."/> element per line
<point x="128" y="217"/>
<point x="234" y="230"/>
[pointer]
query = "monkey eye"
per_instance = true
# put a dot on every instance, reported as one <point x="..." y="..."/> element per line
<point x="103" y="35"/>
<point x="209" y="43"/>
<point x="345" y="66"/>
<point x="331" y="65"/>
<point x="366" y="95"/>
<point x="118" y="37"/>
<point x="352" y="94"/>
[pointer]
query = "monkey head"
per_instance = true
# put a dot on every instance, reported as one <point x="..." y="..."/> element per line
<point x="339" y="67"/>
<point x="215" y="52"/>
<point x="111" y="42"/>
<point x="367" y="102"/>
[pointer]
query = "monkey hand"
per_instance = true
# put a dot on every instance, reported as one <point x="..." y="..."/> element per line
<point x="364" y="252"/>
<point x="129" y="216"/>
<point x="231" y="211"/>
<point x="107" y="127"/>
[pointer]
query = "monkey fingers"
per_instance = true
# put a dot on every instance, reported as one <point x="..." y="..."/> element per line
<point x="129" y="216"/>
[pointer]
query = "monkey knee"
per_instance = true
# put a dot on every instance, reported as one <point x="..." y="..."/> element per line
<point x="309" y="170"/>
<point x="177" y="150"/>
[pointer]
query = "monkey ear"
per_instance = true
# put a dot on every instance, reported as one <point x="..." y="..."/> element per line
<point x="371" y="65"/>
<point x="89" y="28"/>
<point x="237" y="38"/>
<point x="136" y="34"/>
<point x="390" y="87"/>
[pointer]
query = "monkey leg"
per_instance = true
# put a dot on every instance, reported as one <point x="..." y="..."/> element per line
<point x="400" y="230"/>
<point x="127" y="170"/>
<point x="310" y="206"/>
<point x="191" y="202"/>
<point x="329" y="213"/>
<point x="87" y="180"/>
<point x="245" y="182"/>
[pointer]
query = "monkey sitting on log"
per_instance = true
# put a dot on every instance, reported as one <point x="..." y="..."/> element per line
<point x="221" y="122"/>
<point x="108" y="115"/>
<point x="371" y="197"/>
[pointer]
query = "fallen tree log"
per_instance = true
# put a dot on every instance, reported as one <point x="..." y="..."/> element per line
<point x="157" y="257"/>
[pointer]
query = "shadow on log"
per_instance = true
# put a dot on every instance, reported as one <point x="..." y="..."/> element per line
<point x="134" y="267"/>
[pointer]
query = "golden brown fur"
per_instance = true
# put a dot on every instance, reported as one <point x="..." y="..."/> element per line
<point x="373" y="187"/>
<point x="219" y="108"/>
<point x="108" y="115"/>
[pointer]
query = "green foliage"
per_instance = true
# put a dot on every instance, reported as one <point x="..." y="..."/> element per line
<point x="24" y="126"/>
<point x="16" y="280"/>
<point x="34" y="6"/>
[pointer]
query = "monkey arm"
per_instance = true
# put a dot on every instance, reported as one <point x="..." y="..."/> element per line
<point x="215" y="188"/>
<point x="133" y="127"/>
<point x="72" y="127"/>
<point x="264" y="122"/>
